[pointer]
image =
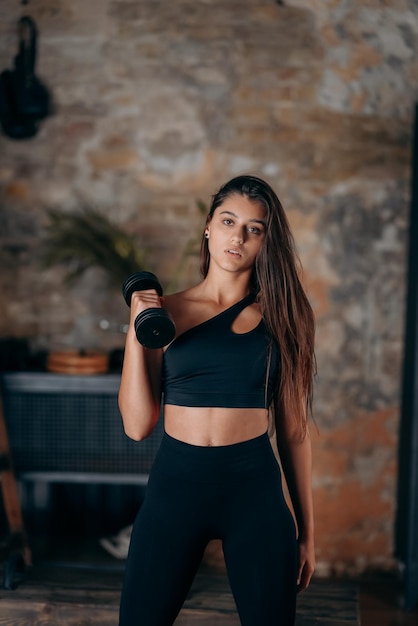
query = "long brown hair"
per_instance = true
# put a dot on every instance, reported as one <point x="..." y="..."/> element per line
<point x="283" y="303"/>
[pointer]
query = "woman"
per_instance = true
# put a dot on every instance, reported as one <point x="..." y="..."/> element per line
<point x="244" y="350"/>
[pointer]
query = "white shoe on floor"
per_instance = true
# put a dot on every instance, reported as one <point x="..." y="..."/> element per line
<point x="118" y="545"/>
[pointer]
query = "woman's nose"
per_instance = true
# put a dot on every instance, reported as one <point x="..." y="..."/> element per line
<point x="238" y="236"/>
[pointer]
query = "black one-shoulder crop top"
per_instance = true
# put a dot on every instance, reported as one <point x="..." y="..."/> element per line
<point x="210" y="365"/>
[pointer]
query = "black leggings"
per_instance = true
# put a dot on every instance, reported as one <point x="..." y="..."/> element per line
<point x="195" y="494"/>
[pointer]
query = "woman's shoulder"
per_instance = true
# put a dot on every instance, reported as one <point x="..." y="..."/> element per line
<point x="182" y="301"/>
<point x="184" y="307"/>
<point x="181" y="297"/>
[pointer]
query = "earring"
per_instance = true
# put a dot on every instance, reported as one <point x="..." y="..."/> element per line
<point x="207" y="235"/>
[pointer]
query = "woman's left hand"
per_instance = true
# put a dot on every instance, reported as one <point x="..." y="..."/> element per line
<point x="306" y="564"/>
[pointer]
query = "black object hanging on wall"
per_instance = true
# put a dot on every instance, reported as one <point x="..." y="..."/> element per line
<point x="24" y="100"/>
<point x="406" y="536"/>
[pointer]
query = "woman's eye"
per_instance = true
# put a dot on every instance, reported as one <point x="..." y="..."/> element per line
<point x="254" y="230"/>
<point x="227" y="221"/>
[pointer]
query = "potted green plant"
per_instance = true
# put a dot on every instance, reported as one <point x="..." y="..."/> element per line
<point x="86" y="239"/>
<point x="80" y="241"/>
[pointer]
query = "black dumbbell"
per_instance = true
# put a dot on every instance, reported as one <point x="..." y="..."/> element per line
<point x="154" y="327"/>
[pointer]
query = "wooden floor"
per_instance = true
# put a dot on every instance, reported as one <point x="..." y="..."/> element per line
<point x="79" y="585"/>
<point x="56" y="596"/>
<point x="380" y="601"/>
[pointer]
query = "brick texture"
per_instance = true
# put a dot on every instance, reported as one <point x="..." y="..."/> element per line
<point x="155" y="105"/>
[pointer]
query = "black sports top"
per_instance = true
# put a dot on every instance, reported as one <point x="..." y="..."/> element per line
<point x="209" y="365"/>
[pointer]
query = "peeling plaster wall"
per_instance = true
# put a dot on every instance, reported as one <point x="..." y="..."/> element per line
<point x="157" y="104"/>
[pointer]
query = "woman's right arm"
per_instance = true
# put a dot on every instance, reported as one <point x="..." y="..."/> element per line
<point x="140" y="386"/>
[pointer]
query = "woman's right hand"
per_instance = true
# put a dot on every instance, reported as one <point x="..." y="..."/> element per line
<point x="143" y="300"/>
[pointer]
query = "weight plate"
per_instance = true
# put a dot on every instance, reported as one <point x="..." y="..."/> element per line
<point x="138" y="282"/>
<point x="154" y="328"/>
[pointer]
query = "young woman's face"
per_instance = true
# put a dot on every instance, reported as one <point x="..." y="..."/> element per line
<point x="236" y="233"/>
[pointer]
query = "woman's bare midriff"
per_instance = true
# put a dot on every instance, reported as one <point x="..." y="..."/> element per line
<point x="208" y="426"/>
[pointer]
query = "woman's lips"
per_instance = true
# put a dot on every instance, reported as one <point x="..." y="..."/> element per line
<point x="234" y="252"/>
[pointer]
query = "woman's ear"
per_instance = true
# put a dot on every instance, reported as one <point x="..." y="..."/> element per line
<point x="207" y="226"/>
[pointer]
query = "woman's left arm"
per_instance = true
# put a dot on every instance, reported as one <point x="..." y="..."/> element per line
<point x="296" y="460"/>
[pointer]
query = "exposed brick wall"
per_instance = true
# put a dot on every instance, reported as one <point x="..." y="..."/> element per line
<point x="157" y="103"/>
